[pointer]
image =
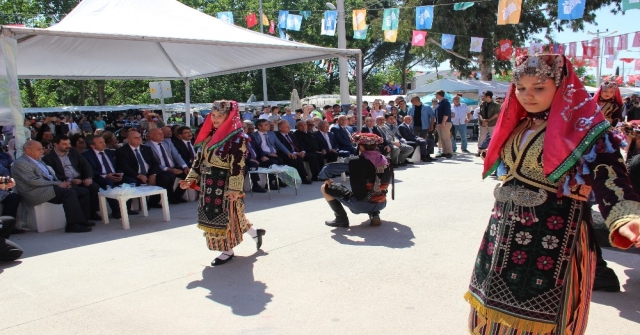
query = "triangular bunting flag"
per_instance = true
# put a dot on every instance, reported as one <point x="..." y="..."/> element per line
<point x="570" y="9"/>
<point x="390" y="19"/>
<point x="505" y="50"/>
<point x="419" y="37"/>
<point x="592" y="62"/>
<point x="252" y="20"/>
<point x="306" y="14"/>
<point x="596" y="43"/>
<point x="476" y="44"/>
<point x="359" y="19"/>
<point x="509" y="11"/>
<point x="609" y="63"/>
<point x="561" y="49"/>
<point x="272" y="27"/>
<point x="637" y="64"/>
<point x="390" y="35"/>
<point x="447" y="41"/>
<point x="424" y="17"/>
<point x="521" y="52"/>
<point x="265" y="20"/>
<point x="329" y="22"/>
<point x="535" y="48"/>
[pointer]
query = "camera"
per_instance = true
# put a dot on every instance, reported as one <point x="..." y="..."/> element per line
<point x="5" y="180"/>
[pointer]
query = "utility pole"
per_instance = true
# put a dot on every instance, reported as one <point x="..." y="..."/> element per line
<point x="600" y="51"/>
<point x="343" y="66"/>
<point x="264" y="71"/>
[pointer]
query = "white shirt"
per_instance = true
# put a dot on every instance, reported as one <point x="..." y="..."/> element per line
<point x="375" y="114"/>
<point x="158" y="151"/>
<point x="265" y="146"/>
<point x="476" y="112"/>
<point x="461" y="114"/>
<point x="326" y="137"/>
<point x="264" y="116"/>
<point x="104" y="170"/>
<point x="146" y="165"/>
<point x="189" y="145"/>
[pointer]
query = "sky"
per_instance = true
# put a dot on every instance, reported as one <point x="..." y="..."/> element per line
<point x="627" y="23"/>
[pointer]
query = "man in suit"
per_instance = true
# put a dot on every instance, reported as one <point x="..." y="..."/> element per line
<point x="343" y="137"/>
<point x="103" y="163"/>
<point x="68" y="164"/>
<point x="426" y="145"/>
<point x="62" y="128"/>
<point x="252" y="162"/>
<point x="309" y="144"/>
<point x="293" y="154"/>
<point x="370" y="127"/>
<point x="184" y="145"/>
<point x="399" y="151"/>
<point x="327" y="142"/>
<point x="266" y="147"/>
<point x="36" y="183"/>
<point x="170" y="160"/>
<point x="137" y="161"/>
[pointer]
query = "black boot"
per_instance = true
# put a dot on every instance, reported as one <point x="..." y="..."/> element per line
<point x="605" y="279"/>
<point x="375" y="219"/>
<point x="341" y="219"/>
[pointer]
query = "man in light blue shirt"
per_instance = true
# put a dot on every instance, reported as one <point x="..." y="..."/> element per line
<point x="289" y="117"/>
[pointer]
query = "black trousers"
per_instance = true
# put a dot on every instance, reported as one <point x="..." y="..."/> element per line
<point x="10" y="205"/>
<point x="270" y="161"/>
<point x="331" y="156"/>
<point x="93" y="189"/>
<point x="179" y="192"/>
<point x="316" y="162"/>
<point x="297" y="163"/>
<point x="252" y="166"/>
<point x="75" y="202"/>
<point x="9" y="251"/>
<point x="165" y="180"/>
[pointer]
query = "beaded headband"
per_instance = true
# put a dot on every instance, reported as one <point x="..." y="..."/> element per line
<point x="609" y="84"/>
<point x="367" y="138"/>
<point x="541" y="66"/>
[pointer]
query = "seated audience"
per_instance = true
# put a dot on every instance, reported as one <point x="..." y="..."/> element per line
<point x="293" y="154"/>
<point x="309" y="145"/>
<point x="36" y="183"/>
<point x="184" y="145"/>
<point x="426" y="145"/>
<point x="342" y="135"/>
<point x="170" y="160"/>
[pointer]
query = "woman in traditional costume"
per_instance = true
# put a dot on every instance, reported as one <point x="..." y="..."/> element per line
<point x="534" y="271"/>
<point x="218" y="172"/>
<point x="609" y="100"/>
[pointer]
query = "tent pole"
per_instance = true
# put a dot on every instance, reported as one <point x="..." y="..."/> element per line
<point x="359" y="90"/>
<point x="187" y="102"/>
<point x="264" y="71"/>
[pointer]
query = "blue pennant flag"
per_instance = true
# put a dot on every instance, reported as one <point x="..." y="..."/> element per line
<point x="283" y="34"/>
<point x="305" y="14"/>
<point x="447" y="41"/>
<point x="424" y="17"/>
<point x="294" y="22"/>
<point x="390" y="19"/>
<point x="330" y="19"/>
<point x="226" y="17"/>
<point x="570" y="9"/>
<point x="462" y="5"/>
<point x="282" y="19"/>
<point x="360" y="34"/>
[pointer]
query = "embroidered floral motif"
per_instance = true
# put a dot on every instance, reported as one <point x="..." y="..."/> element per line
<point x="207" y="200"/>
<point x="523" y="238"/>
<point x="550" y="242"/>
<point x="519" y="257"/>
<point x="555" y="222"/>
<point x="545" y="262"/>
<point x="527" y="219"/>
<point x="209" y="182"/>
<point x="218" y="202"/>
<point x="493" y="229"/>
<point x="490" y="249"/>
<point x="219" y="191"/>
<point x="220" y="182"/>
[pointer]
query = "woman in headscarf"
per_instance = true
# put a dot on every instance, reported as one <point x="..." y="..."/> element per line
<point x="218" y="172"/>
<point x="609" y="100"/>
<point x="534" y="271"/>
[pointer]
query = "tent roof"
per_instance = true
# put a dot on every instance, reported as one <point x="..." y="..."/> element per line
<point x="462" y="86"/>
<point x="144" y="39"/>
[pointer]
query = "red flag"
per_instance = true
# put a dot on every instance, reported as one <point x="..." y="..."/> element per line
<point x="578" y="62"/>
<point x="252" y="20"/>
<point x="596" y="43"/>
<point x="623" y="42"/>
<point x="505" y="50"/>
<point x="609" y="45"/>
<point x="609" y="63"/>
<point x="593" y="63"/>
<point x="619" y="80"/>
<point x="561" y="49"/>
<point x="636" y="40"/>
<point x="272" y="27"/>
<point x="572" y="50"/>
<point x="419" y="37"/>
<point x="521" y="52"/>
<point x="587" y="51"/>
<point x="627" y="60"/>
<point x="637" y="65"/>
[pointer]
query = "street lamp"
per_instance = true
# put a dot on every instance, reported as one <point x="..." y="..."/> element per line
<point x="342" y="60"/>
<point x="597" y="33"/>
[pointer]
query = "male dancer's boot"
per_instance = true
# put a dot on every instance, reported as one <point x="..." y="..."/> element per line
<point x="341" y="219"/>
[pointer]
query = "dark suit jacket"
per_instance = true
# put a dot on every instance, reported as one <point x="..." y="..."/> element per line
<point x="308" y="142"/>
<point x="342" y="137"/>
<point x="183" y="151"/>
<point x="77" y="161"/>
<point x="407" y="133"/>
<point x="62" y="129"/>
<point x="323" y="143"/>
<point x="286" y="143"/>
<point x="96" y="164"/>
<point x="273" y="142"/>
<point x="127" y="163"/>
<point x="377" y="132"/>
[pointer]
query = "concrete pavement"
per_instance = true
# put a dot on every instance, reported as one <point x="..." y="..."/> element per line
<point x="404" y="277"/>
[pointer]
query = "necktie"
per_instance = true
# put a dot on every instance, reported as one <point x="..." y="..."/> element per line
<point x="143" y="170"/>
<point x="264" y="138"/>
<point x="44" y="168"/>
<point x="291" y="142"/>
<point x="191" y="153"/>
<point x="105" y="162"/>
<point x="164" y="156"/>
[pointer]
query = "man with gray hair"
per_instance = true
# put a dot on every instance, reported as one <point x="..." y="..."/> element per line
<point x="37" y="183"/>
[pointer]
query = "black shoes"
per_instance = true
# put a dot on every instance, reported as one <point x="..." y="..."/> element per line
<point x="341" y="219"/>
<point x="466" y="151"/>
<point x="219" y="261"/>
<point x="76" y="228"/>
<point x="306" y="182"/>
<point x="448" y="156"/>
<point x="258" y="238"/>
<point x="154" y="206"/>
<point x="257" y="189"/>
<point x="428" y="159"/>
<point x="87" y="223"/>
<point x="130" y="212"/>
<point x="273" y="186"/>
<point x="375" y="219"/>
<point x="606" y="280"/>
<point x="95" y="217"/>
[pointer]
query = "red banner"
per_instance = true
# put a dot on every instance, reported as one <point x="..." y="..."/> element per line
<point x="623" y="42"/>
<point x="578" y="62"/>
<point x="636" y="40"/>
<point x="252" y="20"/>
<point x="596" y="43"/>
<point x="627" y="60"/>
<point x="609" y="63"/>
<point x="588" y="52"/>
<point x="561" y="49"/>
<point x="609" y="45"/>
<point x="521" y="52"/>
<point x="593" y="63"/>
<point x="637" y="65"/>
<point x="505" y="50"/>
<point x="573" y="47"/>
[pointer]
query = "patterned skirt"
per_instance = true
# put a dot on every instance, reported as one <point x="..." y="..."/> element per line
<point x="535" y="268"/>
<point x="223" y="221"/>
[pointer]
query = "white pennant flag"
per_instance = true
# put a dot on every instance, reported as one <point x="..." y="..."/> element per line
<point x="476" y="44"/>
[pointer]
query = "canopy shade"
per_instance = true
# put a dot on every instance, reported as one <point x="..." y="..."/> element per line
<point x="144" y="39"/>
<point x="462" y="86"/>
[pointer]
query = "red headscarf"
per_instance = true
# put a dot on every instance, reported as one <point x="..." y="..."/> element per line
<point x="573" y="125"/>
<point x="609" y="84"/>
<point x="215" y="138"/>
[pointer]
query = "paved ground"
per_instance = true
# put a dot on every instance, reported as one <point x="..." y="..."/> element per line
<point x="404" y="277"/>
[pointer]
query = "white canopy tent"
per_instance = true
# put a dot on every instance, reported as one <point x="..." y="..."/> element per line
<point x="473" y="87"/>
<point x="148" y="39"/>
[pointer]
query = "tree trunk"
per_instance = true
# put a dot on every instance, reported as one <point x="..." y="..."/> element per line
<point x="100" y="88"/>
<point x="406" y="58"/>
<point x="31" y="94"/>
<point x="83" y="92"/>
<point x="486" y="66"/>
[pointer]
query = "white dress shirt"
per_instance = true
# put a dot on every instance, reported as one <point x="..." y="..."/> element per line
<point x="104" y="170"/>
<point x="265" y="145"/>
<point x="460" y="112"/>
<point x="146" y="165"/>
<point x="156" y="148"/>
<point x="326" y="138"/>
